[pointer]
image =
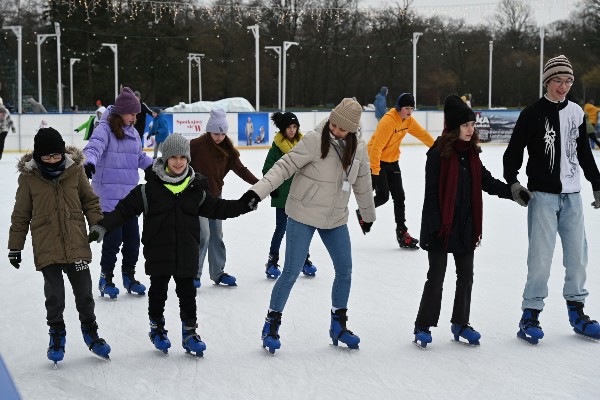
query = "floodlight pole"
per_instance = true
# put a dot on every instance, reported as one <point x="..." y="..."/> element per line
<point x="415" y="40"/>
<point x="72" y="61"/>
<point x="256" y="33"/>
<point x="286" y="46"/>
<point x="277" y="49"/>
<point x="115" y="50"/>
<point x="17" y="30"/>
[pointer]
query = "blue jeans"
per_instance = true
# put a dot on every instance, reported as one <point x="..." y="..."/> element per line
<point x="547" y="215"/>
<point x="280" y="226"/>
<point x="211" y="242"/>
<point x="129" y="235"/>
<point x="298" y="238"/>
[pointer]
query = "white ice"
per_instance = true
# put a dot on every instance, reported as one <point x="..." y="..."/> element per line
<point x="386" y="289"/>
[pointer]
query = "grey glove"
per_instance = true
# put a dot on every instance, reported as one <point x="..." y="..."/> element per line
<point x="596" y="202"/>
<point x="520" y="194"/>
<point x="97" y="233"/>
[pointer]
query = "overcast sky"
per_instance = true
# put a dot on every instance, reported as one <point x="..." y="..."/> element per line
<point x="475" y="11"/>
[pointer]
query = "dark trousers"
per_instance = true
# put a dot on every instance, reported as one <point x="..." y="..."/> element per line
<point x="157" y="297"/>
<point x="431" y="300"/>
<point x="54" y="290"/>
<point x="280" y="226"/>
<point x="390" y="182"/>
<point x="2" y="139"/>
<point x="129" y="236"/>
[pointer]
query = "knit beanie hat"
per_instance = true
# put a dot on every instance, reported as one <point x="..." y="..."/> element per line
<point x="217" y="122"/>
<point x="283" y="120"/>
<point x="383" y="89"/>
<point x="456" y="112"/>
<point x="557" y="66"/>
<point x="346" y="115"/>
<point x="156" y="110"/>
<point x="405" y="100"/>
<point x="175" y="145"/>
<point x="47" y="141"/>
<point x="126" y="103"/>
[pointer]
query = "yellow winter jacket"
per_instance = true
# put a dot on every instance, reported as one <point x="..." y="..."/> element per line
<point x="385" y="142"/>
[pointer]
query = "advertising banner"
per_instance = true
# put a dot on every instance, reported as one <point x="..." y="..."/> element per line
<point x="253" y="129"/>
<point x="496" y="125"/>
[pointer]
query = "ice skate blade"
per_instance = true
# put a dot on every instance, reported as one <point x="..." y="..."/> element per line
<point x="106" y="359"/>
<point x="468" y="344"/>
<point x="199" y="354"/>
<point x="419" y="345"/>
<point x="269" y="351"/>
<point x="586" y="337"/>
<point x="530" y="341"/>
<point x="351" y="349"/>
<point x="415" y="247"/>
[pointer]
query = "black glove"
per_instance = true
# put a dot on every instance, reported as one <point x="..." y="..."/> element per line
<point x="374" y="181"/>
<point x="90" y="169"/>
<point x="249" y="201"/>
<point x="366" y="226"/>
<point x="14" y="256"/>
<point x="275" y="193"/>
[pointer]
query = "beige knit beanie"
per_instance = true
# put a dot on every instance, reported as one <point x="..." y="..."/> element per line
<point x="346" y="115"/>
<point x="557" y="66"/>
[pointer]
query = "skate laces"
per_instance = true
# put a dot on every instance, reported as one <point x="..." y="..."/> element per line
<point x="56" y="339"/>
<point x="92" y="333"/>
<point x="274" y="323"/>
<point x="191" y="334"/>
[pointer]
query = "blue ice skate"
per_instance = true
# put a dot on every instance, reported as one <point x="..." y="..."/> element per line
<point x="581" y="323"/>
<point x="339" y="332"/>
<point x="96" y="344"/>
<point x="308" y="269"/>
<point x="133" y="285"/>
<point x="530" y="330"/>
<point x="270" y="332"/>
<point x="467" y="332"/>
<point x="191" y="341"/>
<point x="272" y="267"/>
<point x="56" y="348"/>
<point x="158" y="335"/>
<point x="107" y="286"/>
<point x="422" y="336"/>
<point x="226" y="279"/>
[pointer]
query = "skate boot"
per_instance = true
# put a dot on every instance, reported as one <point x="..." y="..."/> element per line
<point x="272" y="267"/>
<point x="132" y="285"/>
<point x="270" y="332"/>
<point x="107" y="286"/>
<point x="422" y="336"/>
<point x="226" y="279"/>
<point x="405" y="240"/>
<point x="56" y="348"/>
<point x="530" y="330"/>
<point x="581" y="323"/>
<point x="308" y="269"/>
<point x="96" y="344"/>
<point x="191" y="341"/>
<point x="467" y="332"/>
<point x="197" y="283"/>
<point x="158" y="335"/>
<point x="338" y="330"/>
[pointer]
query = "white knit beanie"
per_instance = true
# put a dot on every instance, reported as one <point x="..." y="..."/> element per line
<point x="217" y="123"/>
<point x="346" y="115"/>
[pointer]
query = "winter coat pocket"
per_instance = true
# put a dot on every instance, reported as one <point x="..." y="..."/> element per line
<point x="309" y="194"/>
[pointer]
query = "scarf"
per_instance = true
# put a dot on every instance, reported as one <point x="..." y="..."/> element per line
<point x="284" y="144"/>
<point x="51" y="171"/>
<point x="448" y="187"/>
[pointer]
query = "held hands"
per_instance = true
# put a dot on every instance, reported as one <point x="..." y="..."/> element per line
<point x="14" y="256"/>
<point x="596" y="203"/>
<point x="90" y="169"/>
<point x="97" y="233"/>
<point x="249" y="201"/>
<point x="520" y="194"/>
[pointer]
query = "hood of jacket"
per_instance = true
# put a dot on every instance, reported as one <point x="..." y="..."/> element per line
<point x="73" y="156"/>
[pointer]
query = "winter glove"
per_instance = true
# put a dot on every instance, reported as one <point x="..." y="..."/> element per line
<point x="596" y="202"/>
<point x="520" y="194"/>
<point x="249" y="201"/>
<point x="365" y="226"/>
<point x="374" y="181"/>
<point x="275" y="193"/>
<point x="90" y="169"/>
<point x="14" y="256"/>
<point x="97" y="233"/>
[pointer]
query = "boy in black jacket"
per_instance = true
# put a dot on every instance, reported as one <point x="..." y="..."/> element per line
<point x="171" y="200"/>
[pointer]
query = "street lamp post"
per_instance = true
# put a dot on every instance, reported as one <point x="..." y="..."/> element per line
<point x="115" y="50"/>
<point x="17" y="30"/>
<point x="41" y="38"/>
<point x="277" y="49"/>
<point x="490" y="79"/>
<point x="59" y="67"/>
<point x="256" y="33"/>
<point x="541" y="60"/>
<point x="415" y="40"/>
<point x="198" y="58"/>
<point x="519" y="64"/>
<point x="72" y="61"/>
<point x="286" y="46"/>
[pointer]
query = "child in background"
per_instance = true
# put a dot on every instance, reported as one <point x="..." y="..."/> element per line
<point x="54" y="198"/>
<point x="91" y="123"/>
<point x="288" y="136"/>
<point x="171" y="200"/>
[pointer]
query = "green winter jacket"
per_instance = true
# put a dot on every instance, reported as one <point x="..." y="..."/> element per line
<point x="55" y="211"/>
<point x="280" y="147"/>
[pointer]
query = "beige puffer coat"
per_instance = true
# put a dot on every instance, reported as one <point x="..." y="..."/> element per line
<point x="55" y="211"/>
<point x="316" y="197"/>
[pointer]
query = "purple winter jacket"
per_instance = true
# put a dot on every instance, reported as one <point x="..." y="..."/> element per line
<point x="116" y="161"/>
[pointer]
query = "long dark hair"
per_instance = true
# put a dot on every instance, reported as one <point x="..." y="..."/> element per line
<point x="446" y="142"/>
<point x="349" y="149"/>
<point x="116" y="125"/>
<point x="225" y="148"/>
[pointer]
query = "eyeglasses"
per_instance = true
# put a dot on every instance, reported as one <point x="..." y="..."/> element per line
<point x="560" y="82"/>
<point x="53" y="156"/>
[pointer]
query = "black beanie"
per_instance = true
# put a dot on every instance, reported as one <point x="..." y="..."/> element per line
<point x="48" y="141"/>
<point x="456" y="112"/>
<point x="405" y="100"/>
<point x="283" y="120"/>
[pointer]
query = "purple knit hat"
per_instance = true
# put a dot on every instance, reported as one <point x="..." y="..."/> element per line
<point x="126" y="103"/>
